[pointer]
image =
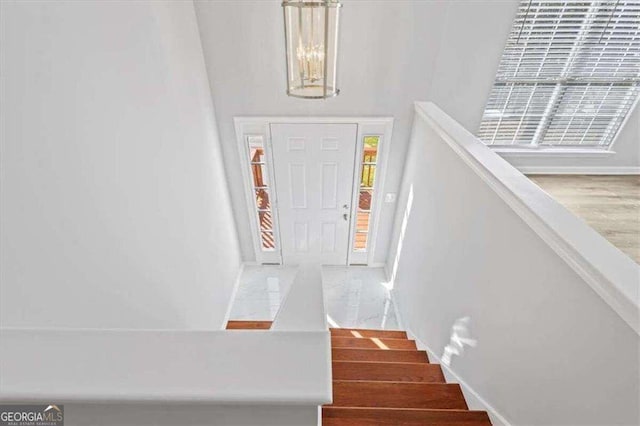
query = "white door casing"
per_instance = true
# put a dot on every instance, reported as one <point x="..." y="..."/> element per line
<point x="260" y="127"/>
<point x="314" y="170"/>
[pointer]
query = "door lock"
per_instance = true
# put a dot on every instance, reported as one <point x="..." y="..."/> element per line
<point x="346" y="207"/>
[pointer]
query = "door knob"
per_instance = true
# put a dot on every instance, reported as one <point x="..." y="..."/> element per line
<point x="345" y="216"/>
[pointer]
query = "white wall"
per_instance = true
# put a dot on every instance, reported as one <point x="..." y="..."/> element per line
<point x="470" y="50"/>
<point x="550" y="350"/>
<point x="389" y="57"/>
<point x="114" y="204"/>
<point x="188" y="415"/>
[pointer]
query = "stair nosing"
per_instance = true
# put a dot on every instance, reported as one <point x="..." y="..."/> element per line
<point x="381" y="338"/>
<point x="381" y="350"/>
<point x="389" y="382"/>
<point x="374" y="349"/>
<point x="401" y="383"/>
<point x="385" y="362"/>
<point x="444" y="410"/>
<point x="365" y="329"/>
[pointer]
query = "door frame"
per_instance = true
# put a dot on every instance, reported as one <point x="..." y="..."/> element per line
<point x="246" y="127"/>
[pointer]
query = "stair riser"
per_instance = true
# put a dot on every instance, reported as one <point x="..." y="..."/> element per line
<point x="334" y="416"/>
<point x="248" y="325"/>
<point x="372" y="343"/>
<point x="389" y="372"/>
<point x="375" y="355"/>
<point x="398" y="395"/>
<point x="384" y="334"/>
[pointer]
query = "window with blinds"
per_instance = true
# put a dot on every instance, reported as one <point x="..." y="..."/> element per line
<point x="568" y="77"/>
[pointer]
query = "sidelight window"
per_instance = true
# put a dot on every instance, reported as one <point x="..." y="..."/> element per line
<point x="262" y="192"/>
<point x="368" y="167"/>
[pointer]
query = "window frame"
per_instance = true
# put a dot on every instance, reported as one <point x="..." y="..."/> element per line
<point x="263" y="256"/>
<point x="360" y="170"/>
<point x="561" y="82"/>
<point x="382" y="130"/>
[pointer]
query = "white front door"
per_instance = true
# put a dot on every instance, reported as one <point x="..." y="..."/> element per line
<point x="314" y="165"/>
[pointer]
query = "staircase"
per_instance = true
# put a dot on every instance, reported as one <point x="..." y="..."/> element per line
<point x="381" y="378"/>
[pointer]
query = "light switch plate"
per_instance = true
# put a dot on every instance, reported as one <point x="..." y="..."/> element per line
<point x="390" y="197"/>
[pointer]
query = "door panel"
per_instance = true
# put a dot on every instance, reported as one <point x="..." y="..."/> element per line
<point x="314" y="166"/>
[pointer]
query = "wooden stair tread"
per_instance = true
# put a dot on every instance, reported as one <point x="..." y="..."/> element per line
<point x="356" y="416"/>
<point x="372" y="343"/>
<point x="248" y="325"/>
<point x="362" y="332"/>
<point x="350" y="354"/>
<point x="381" y="378"/>
<point x="397" y="395"/>
<point x="387" y="371"/>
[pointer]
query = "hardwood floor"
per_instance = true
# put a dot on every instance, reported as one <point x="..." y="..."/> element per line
<point x="380" y="381"/>
<point x="609" y="204"/>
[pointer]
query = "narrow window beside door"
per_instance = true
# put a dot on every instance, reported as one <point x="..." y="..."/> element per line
<point x="261" y="190"/>
<point x="365" y="196"/>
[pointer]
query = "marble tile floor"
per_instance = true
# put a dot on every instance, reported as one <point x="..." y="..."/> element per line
<point x="355" y="296"/>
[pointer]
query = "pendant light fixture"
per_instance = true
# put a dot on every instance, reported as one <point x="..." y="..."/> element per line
<point x="311" y="41"/>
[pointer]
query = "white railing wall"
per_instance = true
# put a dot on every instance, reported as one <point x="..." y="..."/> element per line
<point x="303" y="308"/>
<point x="280" y="375"/>
<point x="529" y="308"/>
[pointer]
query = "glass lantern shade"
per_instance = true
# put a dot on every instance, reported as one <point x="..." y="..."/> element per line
<point x="311" y="38"/>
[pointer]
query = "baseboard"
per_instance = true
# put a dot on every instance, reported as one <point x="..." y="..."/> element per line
<point x="474" y="400"/>
<point x="234" y="292"/>
<point x="396" y="310"/>
<point x="387" y="272"/>
<point x="578" y="170"/>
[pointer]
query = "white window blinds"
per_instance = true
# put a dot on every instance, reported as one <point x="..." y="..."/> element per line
<point x="569" y="74"/>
